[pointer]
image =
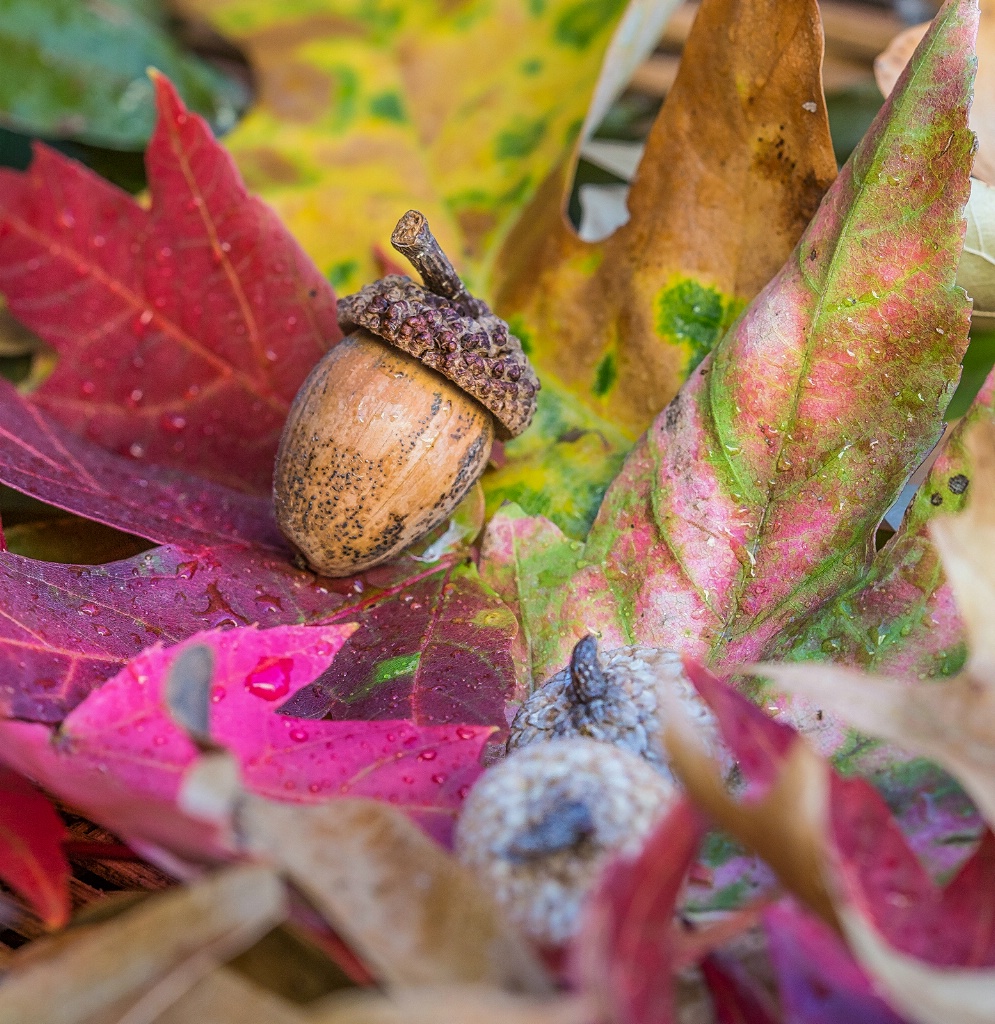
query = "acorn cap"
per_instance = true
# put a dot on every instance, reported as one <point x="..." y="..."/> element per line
<point x="539" y="827"/>
<point x="619" y="697"/>
<point x="448" y="329"/>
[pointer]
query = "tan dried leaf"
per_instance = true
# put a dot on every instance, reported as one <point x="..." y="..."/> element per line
<point x="451" y="1004"/>
<point x="976" y="272"/>
<point x="135" y="965"/>
<point x="225" y="997"/>
<point x="408" y="909"/>
<point x="786" y="827"/>
<point x="923" y="993"/>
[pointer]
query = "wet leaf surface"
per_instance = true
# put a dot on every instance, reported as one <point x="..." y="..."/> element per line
<point x="183" y="331"/>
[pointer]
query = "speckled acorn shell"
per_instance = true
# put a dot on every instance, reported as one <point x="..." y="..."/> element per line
<point x="377" y="450"/>
<point x="539" y="826"/>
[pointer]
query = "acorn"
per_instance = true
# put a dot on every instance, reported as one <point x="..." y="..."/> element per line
<point x="539" y="826"/>
<point x="395" y="424"/>
<point x="618" y="697"/>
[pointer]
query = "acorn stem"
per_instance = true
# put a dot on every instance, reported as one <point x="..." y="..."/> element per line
<point x="413" y="238"/>
<point x="587" y="678"/>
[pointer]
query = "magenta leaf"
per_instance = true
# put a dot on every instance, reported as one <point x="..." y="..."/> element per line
<point x="818" y="980"/>
<point x="183" y="331"/>
<point x="122" y="743"/>
<point x="627" y="951"/>
<point x="41" y="458"/>
<point x="67" y="629"/>
<point x="32" y="862"/>
<point x="880" y="876"/>
<point x="736" y="997"/>
<point x="439" y="652"/>
<point x="754" y="497"/>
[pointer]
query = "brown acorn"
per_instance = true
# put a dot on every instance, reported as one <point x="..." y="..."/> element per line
<point x="395" y="424"/>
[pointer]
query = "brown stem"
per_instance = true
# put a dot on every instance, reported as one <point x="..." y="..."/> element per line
<point x="587" y="679"/>
<point x="413" y="238"/>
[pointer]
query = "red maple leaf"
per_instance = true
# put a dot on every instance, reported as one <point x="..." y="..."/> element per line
<point x="184" y="330"/>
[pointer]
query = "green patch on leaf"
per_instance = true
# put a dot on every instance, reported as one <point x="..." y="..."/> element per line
<point x="572" y="131"/>
<point x="345" y="96"/>
<point x="340" y="274"/>
<point x="694" y="315"/>
<point x="605" y="375"/>
<point x="78" y="71"/>
<point x="532" y="66"/>
<point x="562" y="465"/>
<point x="402" y="665"/>
<point x="718" y="849"/>
<point x="520" y="140"/>
<point x="388" y="106"/>
<point x="579" y="26"/>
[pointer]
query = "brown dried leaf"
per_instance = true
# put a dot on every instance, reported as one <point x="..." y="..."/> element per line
<point x="140" y="962"/>
<point x="406" y="907"/>
<point x="733" y="171"/>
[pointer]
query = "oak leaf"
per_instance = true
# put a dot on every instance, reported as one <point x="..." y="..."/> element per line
<point x="754" y="497"/>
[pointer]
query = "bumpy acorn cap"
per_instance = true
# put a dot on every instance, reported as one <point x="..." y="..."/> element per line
<point x="448" y="329"/>
<point x="539" y="827"/>
<point x="617" y="697"/>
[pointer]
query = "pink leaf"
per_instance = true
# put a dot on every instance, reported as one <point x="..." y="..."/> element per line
<point x="736" y="997"/>
<point x="758" y="743"/>
<point x="66" y="629"/>
<point x="184" y="330"/>
<point x="881" y="877"/>
<point x="627" y="951"/>
<point x="122" y="739"/>
<point x="31" y="858"/>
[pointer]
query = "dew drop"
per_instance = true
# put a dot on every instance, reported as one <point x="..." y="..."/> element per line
<point x="270" y="679"/>
<point x="217" y="694"/>
<point x="438" y="779"/>
<point x="428" y="755"/>
<point x="298" y="735"/>
<point x="88" y="609"/>
<point x="136" y="450"/>
<point x="172" y="422"/>
<point x="464" y="733"/>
